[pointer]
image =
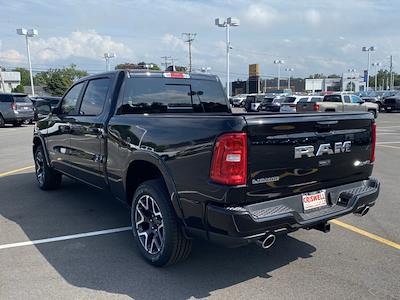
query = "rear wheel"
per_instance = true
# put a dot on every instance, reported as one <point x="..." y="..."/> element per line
<point x="155" y="228"/>
<point x="2" y="122"/>
<point x="47" y="177"/>
<point x="17" y="123"/>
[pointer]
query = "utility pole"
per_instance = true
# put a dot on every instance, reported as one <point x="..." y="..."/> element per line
<point x="166" y="61"/>
<point x="189" y="38"/>
<point x="391" y="73"/>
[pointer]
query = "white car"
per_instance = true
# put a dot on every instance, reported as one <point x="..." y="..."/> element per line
<point x="289" y="104"/>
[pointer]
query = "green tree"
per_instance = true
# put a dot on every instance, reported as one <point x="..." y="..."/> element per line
<point x="57" y="81"/>
<point x="140" y="65"/>
<point x="18" y="89"/>
<point x="25" y="78"/>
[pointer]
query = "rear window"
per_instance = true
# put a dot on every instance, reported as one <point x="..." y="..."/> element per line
<point x="6" y="98"/>
<point x="164" y="95"/>
<point x="333" y="98"/>
<point x="22" y="99"/>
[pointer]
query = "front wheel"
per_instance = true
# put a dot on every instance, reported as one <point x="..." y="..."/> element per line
<point x="47" y="177"/>
<point x="2" y="122"/>
<point x="155" y="228"/>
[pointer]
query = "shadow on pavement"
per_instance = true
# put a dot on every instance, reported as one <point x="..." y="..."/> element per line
<point x="112" y="263"/>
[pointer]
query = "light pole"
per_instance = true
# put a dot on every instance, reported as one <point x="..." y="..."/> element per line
<point x="290" y="70"/>
<point x="376" y="64"/>
<point x="107" y="57"/>
<point x="28" y="33"/>
<point x="369" y="50"/>
<point x="227" y="23"/>
<point x="279" y="62"/>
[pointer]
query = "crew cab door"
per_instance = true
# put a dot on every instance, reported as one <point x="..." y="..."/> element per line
<point x="349" y="105"/>
<point x="58" y="131"/>
<point x="87" y="134"/>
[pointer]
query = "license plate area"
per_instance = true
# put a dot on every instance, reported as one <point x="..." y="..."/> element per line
<point x="314" y="200"/>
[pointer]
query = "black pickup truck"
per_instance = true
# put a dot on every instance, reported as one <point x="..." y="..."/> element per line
<point x="168" y="145"/>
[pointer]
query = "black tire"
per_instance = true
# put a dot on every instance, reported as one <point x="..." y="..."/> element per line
<point x="47" y="177"/>
<point x="2" y="122"/>
<point x="17" y="124"/>
<point x="157" y="226"/>
<point x="374" y="113"/>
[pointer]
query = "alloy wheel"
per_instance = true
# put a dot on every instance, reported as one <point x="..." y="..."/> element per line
<point x="149" y="224"/>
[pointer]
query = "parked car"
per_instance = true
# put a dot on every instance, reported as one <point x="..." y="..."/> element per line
<point x="289" y="104"/>
<point x="271" y="104"/>
<point x="340" y="102"/>
<point x="168" y="146"/>
<point x="252" y="102"/>
<point x="392" y="103"/>
<point x="15" y="109"/>
<point x="308" y="107"/>
<point x="239" y="100"/>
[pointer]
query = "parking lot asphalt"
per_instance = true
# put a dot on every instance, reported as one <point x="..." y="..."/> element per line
<point x="342" y="264"/>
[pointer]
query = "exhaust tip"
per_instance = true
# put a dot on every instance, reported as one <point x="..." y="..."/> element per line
<point x="267" y="242"/>
<point x="363" y="211"/>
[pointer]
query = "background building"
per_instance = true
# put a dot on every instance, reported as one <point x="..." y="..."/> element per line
<point x="9" y="81"/>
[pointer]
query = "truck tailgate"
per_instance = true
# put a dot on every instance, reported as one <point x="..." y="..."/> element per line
<point x="292" y="154"/>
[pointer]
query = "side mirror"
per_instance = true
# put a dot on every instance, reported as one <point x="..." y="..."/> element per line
<point x="42" y="110"/>
<point x="362" y="101"/>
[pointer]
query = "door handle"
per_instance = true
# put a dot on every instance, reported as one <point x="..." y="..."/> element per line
<point x="65" y="128"/>
<point x="96" y="131"/>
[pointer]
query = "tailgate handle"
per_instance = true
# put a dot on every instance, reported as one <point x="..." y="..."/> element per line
<point x="325" y="125"/>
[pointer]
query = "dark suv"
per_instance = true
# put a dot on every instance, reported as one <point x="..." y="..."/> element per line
<point x="15" y="109"/>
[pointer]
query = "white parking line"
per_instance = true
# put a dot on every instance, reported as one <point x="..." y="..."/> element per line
<point x="387" y="146"/>
<point x="65" y="237"/>
<point x="384" y="143"/>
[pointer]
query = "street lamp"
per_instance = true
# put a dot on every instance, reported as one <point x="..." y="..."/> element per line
<point x="107" y="57"/>
<point x="290" y="70"/>
<point x="376" y="65"/>
<point x="369" y="50"/>
<point x="28" y="33"/>
<point x="279" y="62"/>
<point x="227" y="23"/>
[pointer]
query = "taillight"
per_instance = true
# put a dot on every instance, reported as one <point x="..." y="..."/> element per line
<point x="316" y="107"/>
<point x="373" y="144"/>
<point x="13" y="106"/>
<point x="229" y="162"/>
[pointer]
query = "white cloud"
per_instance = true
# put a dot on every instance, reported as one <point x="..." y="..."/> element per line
<point x="313" y="17"/>
<point x="86" y="44"/>
<point x="261" y="14"/>
<point x="173" y="41"/>
<point x="12" y="56"/>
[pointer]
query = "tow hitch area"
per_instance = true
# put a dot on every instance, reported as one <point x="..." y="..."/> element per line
<point x="324" y="227"/>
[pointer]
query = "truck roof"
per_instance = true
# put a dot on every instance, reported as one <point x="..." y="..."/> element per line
<point x="157" y="74"/>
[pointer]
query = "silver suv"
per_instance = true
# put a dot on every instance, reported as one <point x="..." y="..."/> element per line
<point x="15" y="109"/>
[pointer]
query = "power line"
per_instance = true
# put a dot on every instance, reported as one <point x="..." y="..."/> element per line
<point x="189" y="39"/>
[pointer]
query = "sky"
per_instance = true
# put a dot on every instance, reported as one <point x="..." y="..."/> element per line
<point x="311" y="36"/>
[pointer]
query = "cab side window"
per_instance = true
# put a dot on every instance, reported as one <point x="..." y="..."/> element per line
<point x="355" y="99"/>
<point x="347" y="99"/>
<point x="95" y="97"/>
<point x="68" y="105"/>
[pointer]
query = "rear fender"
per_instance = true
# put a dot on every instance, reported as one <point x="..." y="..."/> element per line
<point x="166" y="174"/>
